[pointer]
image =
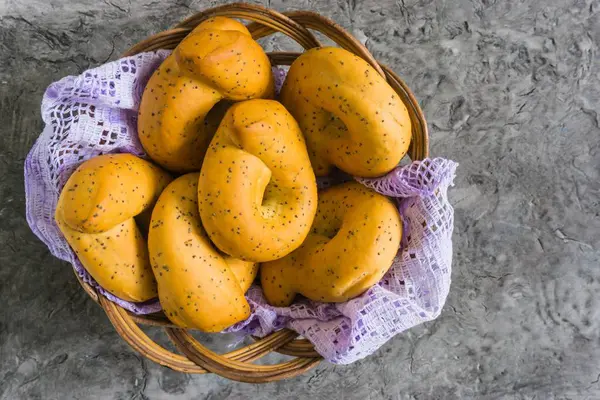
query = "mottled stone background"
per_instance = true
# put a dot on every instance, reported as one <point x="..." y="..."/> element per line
<point x="511" y="90"/>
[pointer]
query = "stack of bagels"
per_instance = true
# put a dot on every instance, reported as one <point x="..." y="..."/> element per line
<point x="230" y="191"/>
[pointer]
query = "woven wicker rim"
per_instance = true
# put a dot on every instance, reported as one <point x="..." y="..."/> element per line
<point x="237" y="365"/>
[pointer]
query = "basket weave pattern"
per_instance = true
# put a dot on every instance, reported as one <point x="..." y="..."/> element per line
<point x="236" y="365"/>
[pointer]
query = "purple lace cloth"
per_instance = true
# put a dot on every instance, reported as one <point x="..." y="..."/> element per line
<point x="95" y="113"/>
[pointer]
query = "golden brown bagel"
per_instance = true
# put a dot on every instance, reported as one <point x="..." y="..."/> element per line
<point x="217" y="60"/>
<point x="353" y="241"/>
<point x="257" y="192"/>
<point x="95" y="213"/>
<point x="350" y="116"/>
<point x="197" y="286"/>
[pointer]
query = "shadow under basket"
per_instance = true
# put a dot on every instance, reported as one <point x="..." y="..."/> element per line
<point x="237" y="365"/>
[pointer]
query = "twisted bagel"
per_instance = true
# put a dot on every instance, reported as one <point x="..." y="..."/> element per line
<point x="197" y="286"/>
<point x="95" y="213"/>
<point x="350" y="116"/>
<point x="257" y="192"/>
<point x="353" y="241"/>
<point x="217" y="60"/>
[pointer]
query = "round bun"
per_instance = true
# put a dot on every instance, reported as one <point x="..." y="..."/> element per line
<point x="95" y="213"/>
<point x="257" y="192"/>
<point x="198" y="287"/>
<point x="351" y="117"/>
<point x="353" y="241"/>
<point x="217" y="61"/>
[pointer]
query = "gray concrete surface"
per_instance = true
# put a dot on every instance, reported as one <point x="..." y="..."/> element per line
<point x="511" y="90"/>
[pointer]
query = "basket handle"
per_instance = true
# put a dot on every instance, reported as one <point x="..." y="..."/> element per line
<point x="269" y="22"/>
<point x="264" y="23"/>
<point x="234" y="365"/>
<point x="292" y="23"/>
<point x="327" y="27"/>
<point x="277" y="22"/>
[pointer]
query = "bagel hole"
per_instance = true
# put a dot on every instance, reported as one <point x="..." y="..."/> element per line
<point x="331" y="228"/>
<point x="330" y="233"/>
<point x="268" y="206"/>
<point x="333" y="120"/>
<point x="333" y="127"/>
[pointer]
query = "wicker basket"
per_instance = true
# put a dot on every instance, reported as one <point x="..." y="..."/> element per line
<point x="236" y="365"/>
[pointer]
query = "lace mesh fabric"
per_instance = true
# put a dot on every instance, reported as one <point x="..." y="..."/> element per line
<point x="96" y="113"/>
